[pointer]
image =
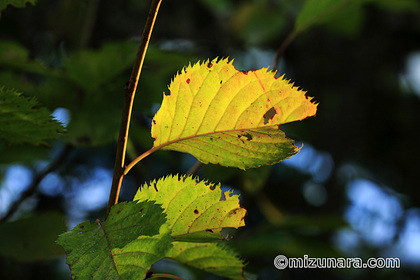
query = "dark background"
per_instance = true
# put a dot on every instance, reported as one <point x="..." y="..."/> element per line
<point x="353" y="191"/>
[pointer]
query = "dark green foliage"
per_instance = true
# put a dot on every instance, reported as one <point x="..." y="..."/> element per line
<point x="22" y="121"/>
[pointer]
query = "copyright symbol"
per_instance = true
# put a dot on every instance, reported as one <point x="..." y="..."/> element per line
<point x="280" y="262"/>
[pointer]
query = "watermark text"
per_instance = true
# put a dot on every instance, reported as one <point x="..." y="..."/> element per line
<point x="282" y="262"/>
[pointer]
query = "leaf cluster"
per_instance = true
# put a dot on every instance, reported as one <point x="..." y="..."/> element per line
<point x="176" y="217"/>
<point x="89" y="84"/>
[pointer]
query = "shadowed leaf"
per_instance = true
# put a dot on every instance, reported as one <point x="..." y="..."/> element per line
<point x="211" y="257"/>
<point x="122" y="247"/>
<point x="22" y="121"/>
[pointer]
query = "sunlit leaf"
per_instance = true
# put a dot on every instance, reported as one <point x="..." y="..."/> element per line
<point x="224" y="116"/>
<point x="211" y="257"/>
<point x="23" y="121"/>
<point x="196" y="210"/>
<point x="122" y="247"/>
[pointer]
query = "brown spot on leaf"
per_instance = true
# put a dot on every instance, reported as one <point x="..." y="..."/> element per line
<point x="246" y="135"/>
<point x="196" y="211"/>
<point x="269" y="115"/>
<point x="209" y="65"/>
<point x="188" y="81"/>
<point x="209" y="230"/>
<point x="212" y="187"/>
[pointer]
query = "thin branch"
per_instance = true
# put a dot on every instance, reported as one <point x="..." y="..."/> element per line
<point x="128" y="106"/>
<point x="32" y="188"/>
<point x="282" y="48"/>
<point x="305" y="26"/>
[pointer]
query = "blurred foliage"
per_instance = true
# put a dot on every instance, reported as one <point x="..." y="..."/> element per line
<point x="16" y="3"/>
<point x="21" y="121"/>
<point x="17" y="241"/>
<point x="350" y="55"/>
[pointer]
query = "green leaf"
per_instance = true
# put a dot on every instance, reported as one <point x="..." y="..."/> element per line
<point x="32" y="239"/>
<point x="122" y="247"/>
<point x="15" y="56"/>
<point x="224" y="116"/>
<point x="16" y="3"/>
<point x="316" y="11"/>
<point x="90" y="69"/>
<point x="22" y="121"/>
<point x="211" y="257"/>
<point x="345" y="16"/>
<point x="194" y="209"/>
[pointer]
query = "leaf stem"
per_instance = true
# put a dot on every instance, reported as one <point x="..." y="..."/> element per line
<point x="297" y="30"/>
<point x="139" y="158"/>
<point x="128" y="106"/>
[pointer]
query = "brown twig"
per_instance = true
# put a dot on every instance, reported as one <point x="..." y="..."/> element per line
<point x="282" y="48"/>
<point x="301" y="28"/>
<point x="128" y="105"/>
<point x="36" y="180"/>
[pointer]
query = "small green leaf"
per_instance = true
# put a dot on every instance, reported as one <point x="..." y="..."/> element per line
<point x="317" y="11"/>
<point x="194" y="209"/>
<point x="122" y="247"/>
<point x="211" y="257"/>
<point x="32" y="239"/>
<point x="224" y="116"/>
<point x="22" y="121"/>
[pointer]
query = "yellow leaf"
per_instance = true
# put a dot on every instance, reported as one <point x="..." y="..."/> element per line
<point x="224" y="116"/>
